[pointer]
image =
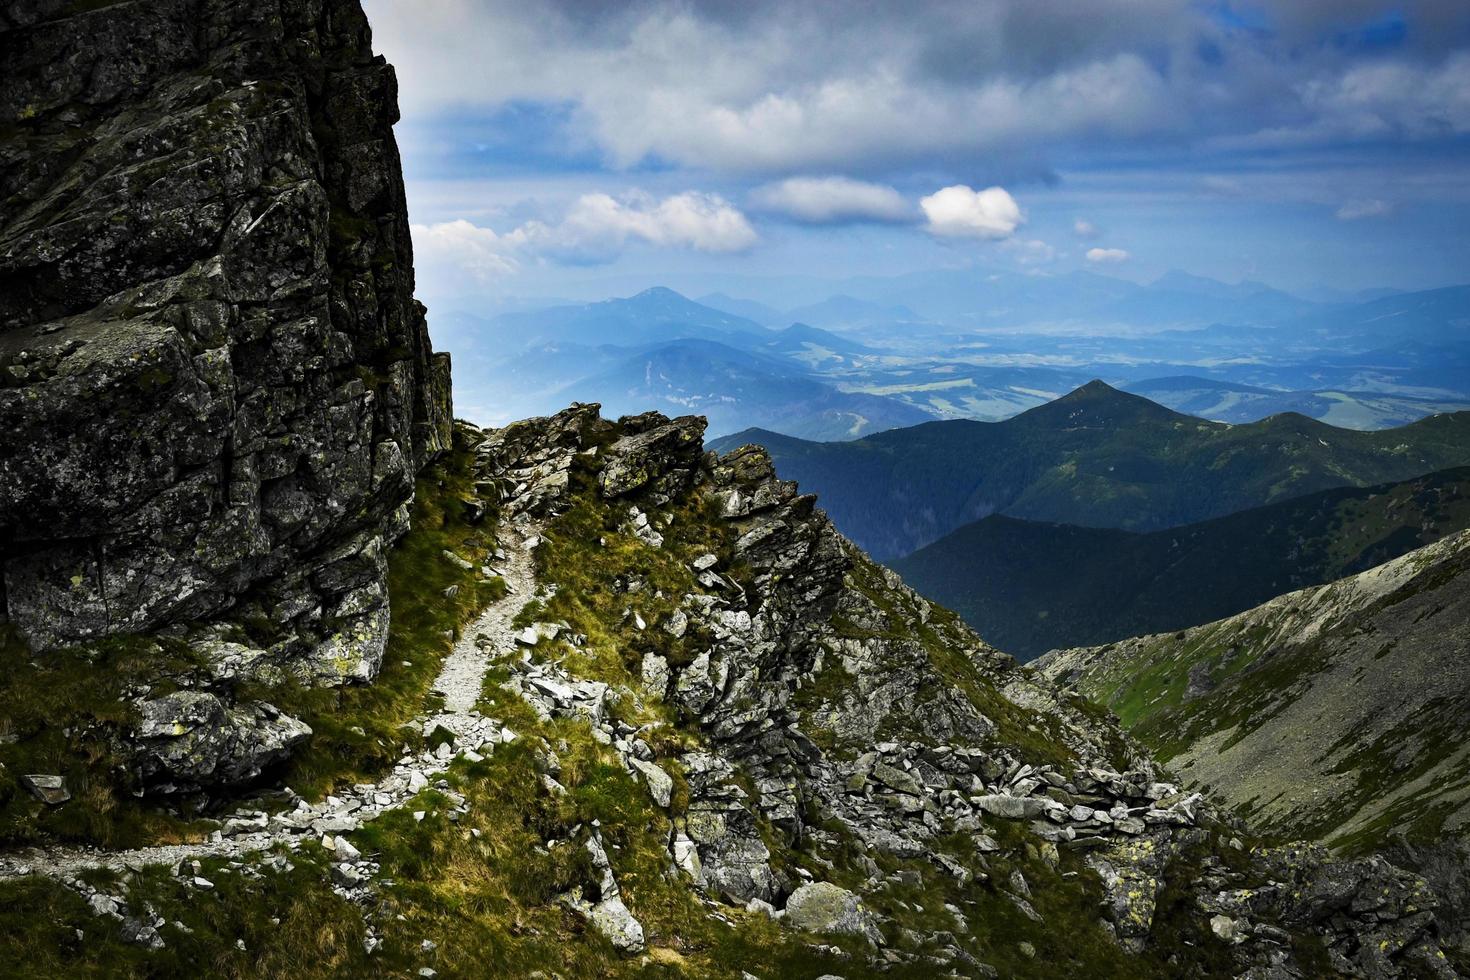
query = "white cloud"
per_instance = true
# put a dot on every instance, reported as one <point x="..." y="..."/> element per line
<point x="595" y="229"/>
<point x="797" y="87"/>
<point x="1107" y="255"/>
<point x="1364" y="208"/>
<point x="704" y="222"/>
<point x="478" y="251"/>
<point x="960" y="211"/>
<point x="1086" y="229"/>
<point x="826" y="200"/>
<point x="769" y="86"/>
<point x="1384" y="98"/>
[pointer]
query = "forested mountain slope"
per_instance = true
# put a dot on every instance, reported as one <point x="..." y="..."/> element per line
<point x="1097" y="457"/>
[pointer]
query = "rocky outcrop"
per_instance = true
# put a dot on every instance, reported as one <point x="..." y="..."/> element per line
<point x="838" y="716"/>
<point x="824" y="908"/>
<point x="215" y="384"/>
<point x="192" y="738"/>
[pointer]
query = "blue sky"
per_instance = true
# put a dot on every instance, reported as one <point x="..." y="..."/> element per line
<point x="575" y="149"/>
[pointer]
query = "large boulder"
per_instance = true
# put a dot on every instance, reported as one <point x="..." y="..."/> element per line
<point x="827" y="909"/>
<point x="666" y="455"/>
<point x="191" y="739"/>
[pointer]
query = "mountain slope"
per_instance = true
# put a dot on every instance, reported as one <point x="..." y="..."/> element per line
<point x="685" y="724"/>
<point x="816" y="347"/>
<point x="1432" y="316"/>
<point x="1339" y="713"/>
<point x="652" y="316"/>
<point x="748" y="308"/>
<point x="1179" y="298"/>
<point x="1029" y="587"/>
<point x="733" y="388"/>
<point x="641" y="710"/>
<point x="1097" y="457"/>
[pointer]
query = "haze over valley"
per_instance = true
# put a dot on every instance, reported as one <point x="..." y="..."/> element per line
<point x="849" y="366"/>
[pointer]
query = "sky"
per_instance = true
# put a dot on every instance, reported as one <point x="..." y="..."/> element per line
<point x="564" y="148"/>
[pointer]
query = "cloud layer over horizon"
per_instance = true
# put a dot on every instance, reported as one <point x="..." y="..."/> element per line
<point x="720" y="128"/>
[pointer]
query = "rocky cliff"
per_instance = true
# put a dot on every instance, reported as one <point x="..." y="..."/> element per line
<point x="215" y="383"/>
<point x="698" y="729"/>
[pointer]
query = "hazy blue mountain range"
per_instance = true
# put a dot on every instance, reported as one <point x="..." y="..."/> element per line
<point x="1029" y="587"/>
<point x="951" y="344"/>
<point x="1434" y="316"/>
<point x="660" y="350"/>
<point x="732" y="387"/>
<point x="1098" y="457"/>
<point x="1227" y="401"/>
<point x="656" y="314"/>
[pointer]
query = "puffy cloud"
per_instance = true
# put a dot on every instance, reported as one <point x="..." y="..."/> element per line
<point x="596" y="228"/>
<point x="1387" y="98"/>
<point x="599" y="222"/>
<point x="961" y="212"/>
<point x="1086" y="229"/>
<point x="478" y="251"/>
<point x="828" y="200"/>
<point x="1106" y="255"/>
<point x="1364" y="208"/>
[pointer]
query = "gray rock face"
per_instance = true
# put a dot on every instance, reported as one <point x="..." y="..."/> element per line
<point x="606" y="912"/>
<point x="191" y="738"/>
<point x="664" y="453"/>
<point x="215" y="384"/>
<point x="826" y="909"/>
<point x="47" y="788"/>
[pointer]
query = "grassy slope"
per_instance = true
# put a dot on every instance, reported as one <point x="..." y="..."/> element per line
<point x="476" y="896"/>
<point x="63" y="706"/>
<point x="1372" y="707"/>
<point x="1099" y="458"/>
<point x="1028" y="587"/>
<point x="593" y="564"/>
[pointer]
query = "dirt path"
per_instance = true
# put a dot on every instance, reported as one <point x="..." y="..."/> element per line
<point x="248" y="831"/>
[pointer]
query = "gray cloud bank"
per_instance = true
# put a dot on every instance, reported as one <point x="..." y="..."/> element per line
<point x="871" y="88"/>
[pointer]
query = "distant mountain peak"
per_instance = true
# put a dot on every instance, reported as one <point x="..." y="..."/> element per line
<point x="1096" y="388"/>
<point x="1098" y="391"/>
<point x="658" y="292"/>
<point x="1096" y="403"/>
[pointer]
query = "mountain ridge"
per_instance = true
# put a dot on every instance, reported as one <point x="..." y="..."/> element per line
<point x="1165" y="470"/>
<point x="1028" y="587"/>
<point x="1335" y="712"/>
<point x="573" y="696"/>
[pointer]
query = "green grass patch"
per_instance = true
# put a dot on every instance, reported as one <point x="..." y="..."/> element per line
<point x="358" y="731"/>
<point x="63" y="711"/>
